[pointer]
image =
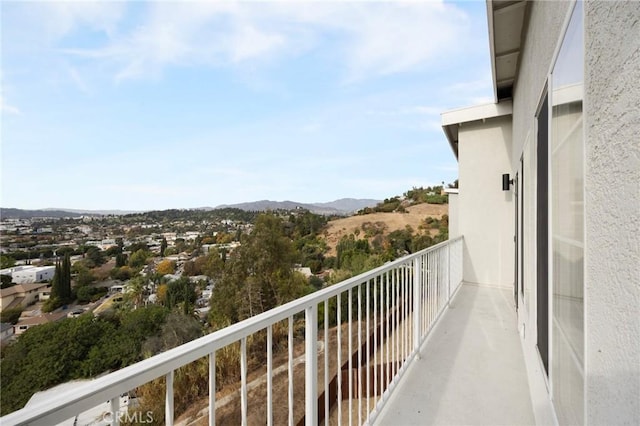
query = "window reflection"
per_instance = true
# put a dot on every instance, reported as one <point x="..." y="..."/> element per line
<point x="567" y="225"/>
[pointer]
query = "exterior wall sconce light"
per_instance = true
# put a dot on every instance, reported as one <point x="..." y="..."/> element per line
<point x="506" y="182"/>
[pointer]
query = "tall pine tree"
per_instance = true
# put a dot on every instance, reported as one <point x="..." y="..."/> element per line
<point x="66" y="279"/>
<point x="55" y="282"/>
<point x="61" y="283"/>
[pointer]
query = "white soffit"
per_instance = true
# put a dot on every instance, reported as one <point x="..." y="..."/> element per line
<point x="506" y="19"/>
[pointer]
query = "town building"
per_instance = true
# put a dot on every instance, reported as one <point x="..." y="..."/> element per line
<point x="26" y="323"/>
<point x="23" y="295"/>
<point x="29" y="274"/>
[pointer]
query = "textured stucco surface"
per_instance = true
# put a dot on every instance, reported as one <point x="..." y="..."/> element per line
<point x="545" y="24"/>
<point x="454" y="215"/>
<point x="612" y="208"/>
<point x="546" y="20"/>
<point x="484" y="153"/>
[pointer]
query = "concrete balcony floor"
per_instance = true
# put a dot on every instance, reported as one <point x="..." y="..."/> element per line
<point x="471" y="369"/>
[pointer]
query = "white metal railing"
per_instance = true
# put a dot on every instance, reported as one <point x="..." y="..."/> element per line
<point x="379" y="320"/>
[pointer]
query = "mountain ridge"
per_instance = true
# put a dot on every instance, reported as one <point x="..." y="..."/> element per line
<point x="341" y="206"/>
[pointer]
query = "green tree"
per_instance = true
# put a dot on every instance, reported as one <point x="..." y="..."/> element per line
<point x="6" y="261"/>
<point x="123" y="273"/>
<point x="6" y="280"/>
<point x="121" y="260"/>
<point x="94" y="257"/>
<point x="11" y="315"/>
<point x="259" y="276"/>
<point x="136" y="290"/>
<point x="163" y="246"/>
<point x="90" y="294"/>
<point x="181" y="293"/>
<point x="84" y="276"/>
<point x="113" y="251"/>
<point x="60" y="285"/>
<point x="138" y="258"/>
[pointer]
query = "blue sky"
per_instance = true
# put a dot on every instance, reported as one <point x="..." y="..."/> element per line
<point x="140" y="105"/>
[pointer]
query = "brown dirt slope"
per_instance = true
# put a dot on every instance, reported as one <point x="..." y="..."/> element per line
<point x="336" y="229"/>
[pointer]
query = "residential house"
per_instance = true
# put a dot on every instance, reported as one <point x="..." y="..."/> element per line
<point x="26" y="323"/>
<point x="535" y="201"/>
<point x="23" y="295"/>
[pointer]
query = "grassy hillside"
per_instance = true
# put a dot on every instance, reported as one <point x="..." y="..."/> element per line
<point x="384" y="223"/>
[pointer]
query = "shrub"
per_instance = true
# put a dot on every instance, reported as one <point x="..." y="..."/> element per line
<point x="11" y="316"/>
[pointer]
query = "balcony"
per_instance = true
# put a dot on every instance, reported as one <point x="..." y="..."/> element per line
<point x="405" y="343"/>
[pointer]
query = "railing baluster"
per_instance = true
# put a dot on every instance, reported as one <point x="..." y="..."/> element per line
<point x="115" y="411"/>
<point x="290" y="365"/>
<point x="326" y="361"/>
<point x="437" y="268"/>
<point x="429" y="286"/>
<point x="339" y="367"/>
<point x="168" y="402"/>
<point x="423" y="298"/>
<point x="243" y="380"/>
<point x="269" y="375"/>
<point x="311" y="365"/>
<point x="416" y="303"/>
<point x="388" y="332"/>
<point x="350" y="362"/>
<point x="407" y="306"/>
<point x="403" y="315"/>
<point x="375" y="343"/>
<point x="394" y="304"/>
<point x="212" y="389"/>
<point x="359" y="354"/>
<point x="367" y="354"/>
<point x="434" y="295"/>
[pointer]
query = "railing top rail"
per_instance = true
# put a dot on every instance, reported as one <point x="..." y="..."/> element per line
<point x="90" y="394"/>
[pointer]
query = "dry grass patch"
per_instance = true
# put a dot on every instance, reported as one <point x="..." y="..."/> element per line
<point x="336" y="229"/>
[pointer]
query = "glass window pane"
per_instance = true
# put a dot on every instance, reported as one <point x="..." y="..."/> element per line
<point x="567" y="225"/>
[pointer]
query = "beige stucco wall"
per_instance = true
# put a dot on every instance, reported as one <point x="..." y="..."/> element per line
<point x="545" y="24"/>
<point x="612" y="212"/>
<point x="486" y="212"/>
<point x="546" y="20"/>
<point x="612" y="195"/>
<point x="454" y="214"/>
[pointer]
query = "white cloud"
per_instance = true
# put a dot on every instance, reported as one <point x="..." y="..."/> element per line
<point x="375" y="38"/>
<point x="49" y="21"/>
<point x="9" y="109"/>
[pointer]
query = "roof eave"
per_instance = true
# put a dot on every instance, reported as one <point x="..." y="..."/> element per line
<point x="452" y="120"/>
<point x="492" y="50"/>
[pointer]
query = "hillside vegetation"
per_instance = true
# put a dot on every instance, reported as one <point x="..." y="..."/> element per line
<point x="381" y="223"/>
<point x="419" y="211"/>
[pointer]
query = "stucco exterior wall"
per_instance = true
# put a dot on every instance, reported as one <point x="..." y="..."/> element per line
<point x="545" y="24"/>
<point x="612" y="210"/>
<point x="484" y="153"/>
<point x="454" y="214"/>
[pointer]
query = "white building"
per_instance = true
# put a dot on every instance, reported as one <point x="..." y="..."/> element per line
<point x="29" y="274"/>
<point x="563" y="234"/>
